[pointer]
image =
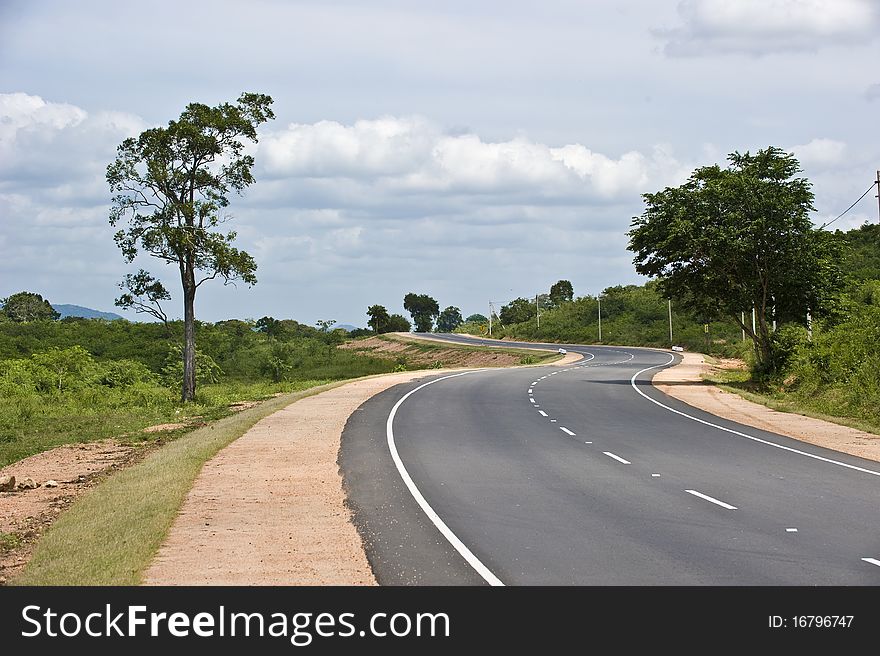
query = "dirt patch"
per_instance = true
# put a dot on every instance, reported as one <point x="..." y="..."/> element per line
<point x="158" y="428"/>
<point x="685" y="382"/>
<point x="26" y="514"/>
<point x="410" y="352"/>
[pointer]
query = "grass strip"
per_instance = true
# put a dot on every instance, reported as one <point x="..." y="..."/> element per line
<point x="111" y="534"/>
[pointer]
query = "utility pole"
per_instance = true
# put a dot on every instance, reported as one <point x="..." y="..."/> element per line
<point x="538" y="310"/>
<point x="671" y="342"/>
<point x="599" y="300"/>
<point x="878" y="196"/>
<point x="490" y="318"/>
<point x="744" y="323"/>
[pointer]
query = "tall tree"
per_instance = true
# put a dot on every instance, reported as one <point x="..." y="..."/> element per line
<point x="423" y="310"/>
<point x="397" y="323"/>
<point x="171" y="185"/>
<point x="449" y="320"/>
<point x="28" y="306"/>
<point x="519" y="310"/>
<point x="477" y="318"/>
<point x="378" y="318"/>
<point x="738" y="238"/>
<point x="145" y="294"/>
<point x="561" y="292"/>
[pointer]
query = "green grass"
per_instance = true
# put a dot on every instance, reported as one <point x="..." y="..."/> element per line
<point x="527" y="356"/>
<point x="111" y="534"/>
<point x="738" y="381"/>
<point x="9" y="541"/>
<point x="33" y="424"/>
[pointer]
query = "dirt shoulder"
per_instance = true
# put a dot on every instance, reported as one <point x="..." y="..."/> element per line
<point x="59" y="476"/>
<point x="685" y="382"/>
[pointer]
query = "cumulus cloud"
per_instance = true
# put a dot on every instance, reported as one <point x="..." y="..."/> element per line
<point x="820" y="153"/>
<point x="759" y="27"/>
<point x="414" y="156"/>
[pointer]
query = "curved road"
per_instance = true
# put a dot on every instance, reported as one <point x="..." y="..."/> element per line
<point x="587" y="475"/>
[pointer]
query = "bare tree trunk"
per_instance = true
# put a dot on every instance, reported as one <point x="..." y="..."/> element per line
<point x="189" y="336"/>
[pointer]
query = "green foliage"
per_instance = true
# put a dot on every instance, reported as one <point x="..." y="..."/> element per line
<point x="28" y="306"/>
<point x="477" y="318"/>
<point x="449" y="320"/>
<point x="518" y="310"/>
<point x="423" y="309"/>
<point x="863" y="258"/>
<point x="378" y="319"/>
<point x="561" y="292"/>
<point x="207" y="370"/>
<point x="397" y="323"/>
<point x="144" y="294"/>
<point x="733" y="239"/>
<point x="631" y="314"/>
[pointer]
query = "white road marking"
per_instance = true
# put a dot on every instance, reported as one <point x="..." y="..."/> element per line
<point x="791" y="530"/>
<point x="531" y="392"/>
<point x="632" y="381"/>
<point x="655" y="475"/>
<point x="873" y="561"/>
<point x="711" y="499"/>
<point x="553" y="420"/>
<point x="587" y="442"/>
<point x="617" y="458"/>
<point x="459" y="546"/>
<point x="532" y="400"/>
<point x="565" y="430"/>
<point x="542" y="413"/>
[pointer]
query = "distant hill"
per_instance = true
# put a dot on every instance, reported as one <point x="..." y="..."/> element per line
<point x="84" y="312"/>
<point x="345" y="326"/>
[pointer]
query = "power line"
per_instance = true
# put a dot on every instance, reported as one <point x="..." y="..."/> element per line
<point x="873" y="184"/>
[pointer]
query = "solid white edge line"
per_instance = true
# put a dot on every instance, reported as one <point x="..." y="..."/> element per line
<point x="617" y="458"/>
<point x="632" y="382"/>
<point x="542" y="413"/>
<point x="711" y="499"/>
<point x="459" y="546"/>
<point x="873" y="561"/>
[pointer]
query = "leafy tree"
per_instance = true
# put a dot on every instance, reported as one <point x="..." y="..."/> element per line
<point x="561" y="292"/>
<point x="325" y="325"/>
<point x="449" y="320"/>
<point x="397" y="323"/>
<point x="738" y="238"/>
<point x="518" y="310"/>
<point x="27" y="306"/>
<point x="423" y="310"/>
<point x="269" y="326"/>
<point x="476" y="318"/>
<point x="378" y="318"/>
<point x="143" y="293"/>
<point x="171" y="184"/>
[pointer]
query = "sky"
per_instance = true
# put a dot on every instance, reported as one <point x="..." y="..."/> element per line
<point x="472" y="151"/>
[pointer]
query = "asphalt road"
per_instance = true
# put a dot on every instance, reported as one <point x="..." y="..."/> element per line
<point x="573" y="476"/>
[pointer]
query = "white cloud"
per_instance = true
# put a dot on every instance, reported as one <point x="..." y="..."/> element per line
<point x="759" y="27"/>
<point x="872" y="92"/>
<point x="414" y="156"/>
<point x="820" y="153"/>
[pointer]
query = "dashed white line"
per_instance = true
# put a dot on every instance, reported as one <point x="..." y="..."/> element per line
<point x="542" y="413"/>
<point x="565" y="430"/>
<point x="791" y="530"/>
<point x="873" y="561"/>
<point x="530" y="391"/>
<point x="655" y="475"/>
<point x="711" y="499"/>
<point x="554" y="420"/>
<point x="532" y="400"/>
<point x="587" y="442"/>
<point x="617" y="458"/>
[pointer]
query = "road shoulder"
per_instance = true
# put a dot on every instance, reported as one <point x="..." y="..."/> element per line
<point x="684" y="382"/>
